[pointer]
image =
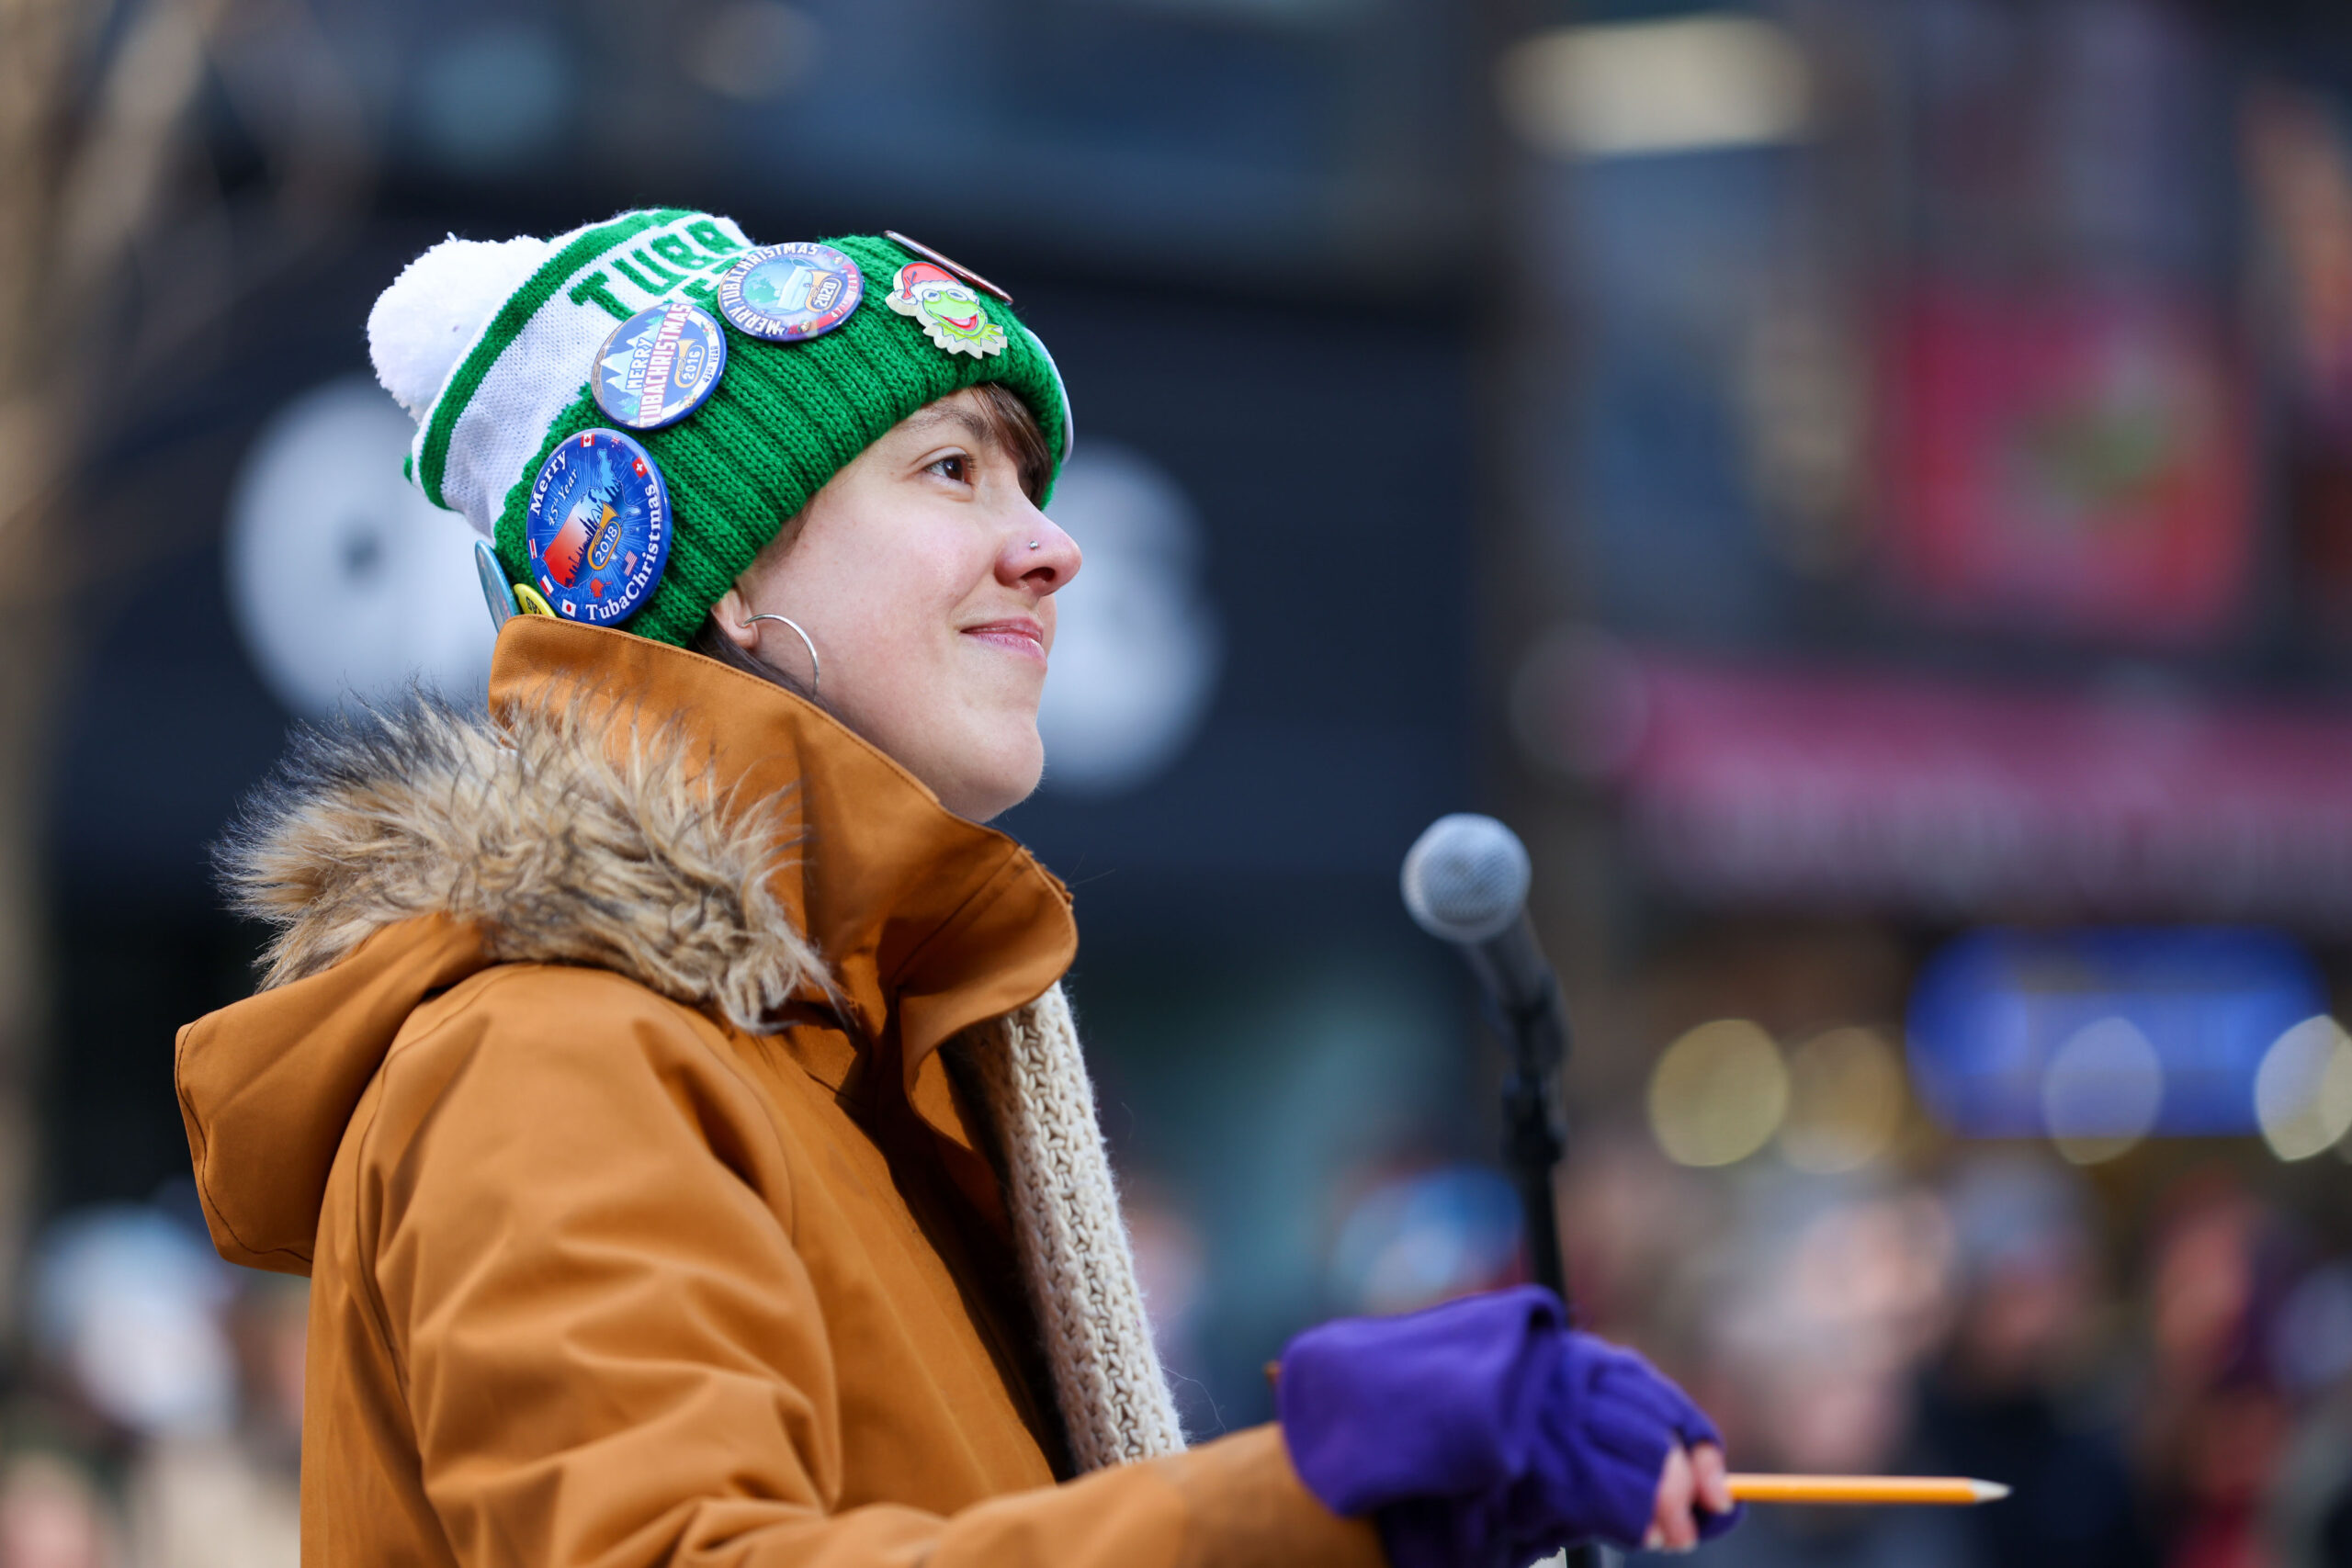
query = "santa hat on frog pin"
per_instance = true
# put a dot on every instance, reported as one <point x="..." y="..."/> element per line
<point x="643" y="402"/>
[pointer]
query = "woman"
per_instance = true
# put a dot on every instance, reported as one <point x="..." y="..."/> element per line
<point x="665" y="1081"/>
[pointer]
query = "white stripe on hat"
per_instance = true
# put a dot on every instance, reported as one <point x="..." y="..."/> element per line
<point x="542" y="366"/>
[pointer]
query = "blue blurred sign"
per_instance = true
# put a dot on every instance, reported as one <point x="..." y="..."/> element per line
<point x="2007" y="1027"/>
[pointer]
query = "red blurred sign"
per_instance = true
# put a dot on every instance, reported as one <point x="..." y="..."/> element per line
<point x="2081" y="463"/>
<point x="1890" y="791"/>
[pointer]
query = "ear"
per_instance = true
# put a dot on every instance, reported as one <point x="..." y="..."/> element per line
<point x="731" y="613"/>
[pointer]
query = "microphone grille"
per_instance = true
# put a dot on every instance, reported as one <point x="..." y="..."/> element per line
<point x="1466" y="878"/>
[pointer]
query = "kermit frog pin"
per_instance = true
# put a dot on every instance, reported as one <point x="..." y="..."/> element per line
<point x="947" y="308"/>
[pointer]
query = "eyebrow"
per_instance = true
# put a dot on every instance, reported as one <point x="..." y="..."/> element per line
<point x="978" y="428"/>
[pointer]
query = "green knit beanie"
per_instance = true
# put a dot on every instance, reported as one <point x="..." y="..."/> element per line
<point x="491" y="346"/>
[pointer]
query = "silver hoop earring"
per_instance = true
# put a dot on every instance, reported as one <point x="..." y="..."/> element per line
<point x="816" y="666"/>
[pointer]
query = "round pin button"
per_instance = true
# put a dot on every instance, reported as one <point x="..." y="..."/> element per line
<point x="660" y="364"/>
<point x="789" y="293"/>
<point x="598" y="530"/>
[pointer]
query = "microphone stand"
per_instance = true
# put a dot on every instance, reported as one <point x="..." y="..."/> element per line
<point x="1532" y="1140"/>
<point x="1536" y="1037"/>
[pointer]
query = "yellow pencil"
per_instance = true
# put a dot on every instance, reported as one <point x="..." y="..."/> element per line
<point x="1948" y="1489"/>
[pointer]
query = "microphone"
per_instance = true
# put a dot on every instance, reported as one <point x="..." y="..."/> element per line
<point x="1465" y="883"/>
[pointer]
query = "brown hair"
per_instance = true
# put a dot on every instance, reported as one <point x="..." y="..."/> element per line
<point x="1014" y="428"/>
<point x="1009" y="424"/>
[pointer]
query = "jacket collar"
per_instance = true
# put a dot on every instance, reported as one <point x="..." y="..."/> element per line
<point x="921" y="918"/>
<point x="633" y="807"/>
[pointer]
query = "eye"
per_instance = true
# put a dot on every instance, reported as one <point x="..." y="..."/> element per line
<point x="954" y="466"/>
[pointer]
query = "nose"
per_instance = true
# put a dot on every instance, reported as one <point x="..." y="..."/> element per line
<point x="1038" y="555"/>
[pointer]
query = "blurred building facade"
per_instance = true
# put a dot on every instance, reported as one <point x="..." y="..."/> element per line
<point x="1922" y="660"/>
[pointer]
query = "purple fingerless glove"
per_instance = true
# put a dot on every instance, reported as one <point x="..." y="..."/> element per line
<point x="1483" y="1433"/>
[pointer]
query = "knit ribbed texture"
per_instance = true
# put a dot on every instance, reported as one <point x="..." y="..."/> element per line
<point x="1074" y="1250"/>
<point x="785" y="417"/>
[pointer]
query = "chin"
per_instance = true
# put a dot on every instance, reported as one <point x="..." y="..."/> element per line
<point x="1007" y="778"/>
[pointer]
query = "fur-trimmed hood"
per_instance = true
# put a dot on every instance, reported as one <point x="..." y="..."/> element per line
<point x="574" y="833"/>
<point x="624" y="806"/>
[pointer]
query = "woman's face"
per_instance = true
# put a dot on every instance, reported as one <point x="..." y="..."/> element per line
<point x="925" y="577"/>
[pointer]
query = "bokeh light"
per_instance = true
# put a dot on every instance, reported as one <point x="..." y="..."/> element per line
<point x="385" y="597"/>
<point x="1426" y="1238"/>
<point x="1718" y="1093"/>
<point x="1137" y="643"/>
<point x="1679" y="84"/>
<point x="1846" y="1101"/>
<point x="2303" y="1092"/>
<point x="2101" y="1091"/>
<point x="2310" y="1341"/>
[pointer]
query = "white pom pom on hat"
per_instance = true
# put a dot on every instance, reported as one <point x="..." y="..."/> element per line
<point x="423" y="324"/>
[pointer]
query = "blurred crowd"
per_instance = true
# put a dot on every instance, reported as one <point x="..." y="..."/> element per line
<point x="2187" y="1404"/>
<point x="2155" y="1354"/>
<point x="155" y="1418"/>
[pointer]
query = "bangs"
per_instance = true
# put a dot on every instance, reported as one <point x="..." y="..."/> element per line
<point x="1014" y="428"/>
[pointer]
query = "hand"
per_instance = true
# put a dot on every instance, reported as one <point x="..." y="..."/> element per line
<point x="1486" y="1431"/>
<point x="1691" y="1475"/>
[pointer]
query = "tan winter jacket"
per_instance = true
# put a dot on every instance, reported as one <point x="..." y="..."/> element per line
<point x="602" y="1275"/>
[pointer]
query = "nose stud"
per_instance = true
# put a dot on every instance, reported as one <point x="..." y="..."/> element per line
<point x="1033" y="545"/>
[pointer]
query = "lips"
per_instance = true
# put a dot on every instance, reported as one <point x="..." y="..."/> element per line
<point x="1018" y="634"/>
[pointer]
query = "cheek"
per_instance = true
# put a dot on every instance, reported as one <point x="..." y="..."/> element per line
<point x="885" y="587"/>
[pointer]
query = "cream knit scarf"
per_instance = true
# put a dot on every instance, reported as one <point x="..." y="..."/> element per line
<point x="1074" y="1251"/>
